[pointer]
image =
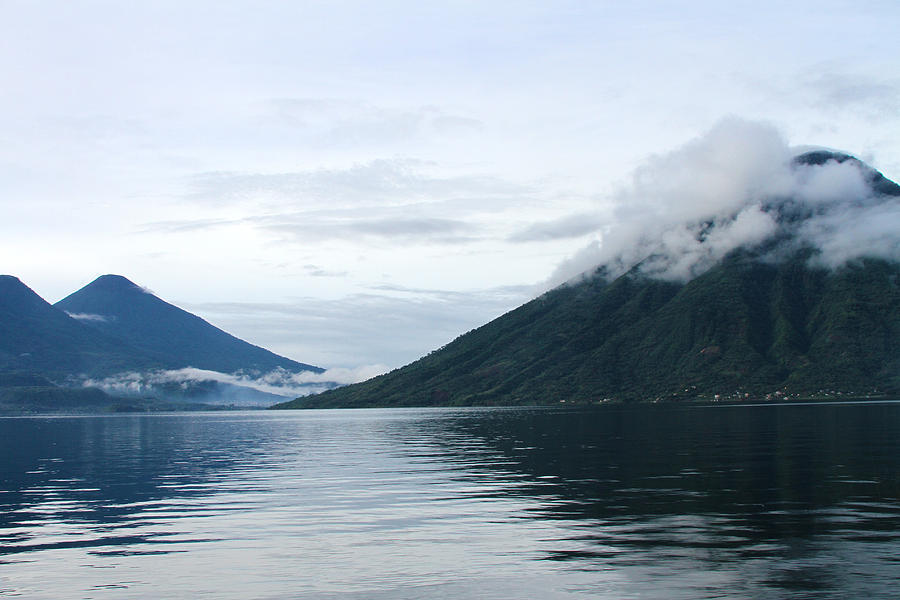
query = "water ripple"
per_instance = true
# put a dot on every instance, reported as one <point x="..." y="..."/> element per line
<point x="741" y="502"/>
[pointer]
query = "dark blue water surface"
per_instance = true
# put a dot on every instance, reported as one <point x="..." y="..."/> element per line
<point x="787" y="501"/>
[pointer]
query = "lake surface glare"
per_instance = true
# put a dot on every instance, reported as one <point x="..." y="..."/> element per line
<point x="658" y="502"/>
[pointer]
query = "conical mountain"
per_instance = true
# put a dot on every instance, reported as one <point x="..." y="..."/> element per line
<point x="767" y="320"/>
<point x="35" y="337"/>
<point x="744" y="327"/>
<point x="117" y="307"/>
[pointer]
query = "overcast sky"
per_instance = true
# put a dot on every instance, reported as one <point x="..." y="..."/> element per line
<point x="357" y="183"/>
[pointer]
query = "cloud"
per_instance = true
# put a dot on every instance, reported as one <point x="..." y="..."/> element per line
<point x="849" y="232"/>
<point x="410" y="223"/>
<point x="737" y="186"/>
<point x="340" y="375"/>
<point x="317" y="271"/>
<point x="184" y="226"/>
<point x="382" y="200"/>
<point x="379" y="182"/>
<point x="572" y="226"/>
<point x="350" y="227"/>
<point x="278" y="382"/>
<point x="88" y="317"/>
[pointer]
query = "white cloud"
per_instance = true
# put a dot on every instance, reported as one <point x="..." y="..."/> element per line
<point x="88" y="317"/>
<point x="351" y="228"/>
<point x="278" y="382"/>
<point x="570" y="226"/>
<point x="828" y="184"/>
<point x="340" y="375"/>
<point x="850" y="232"/>
<point x="378" y="182"/>
<point x="685" y="210"/>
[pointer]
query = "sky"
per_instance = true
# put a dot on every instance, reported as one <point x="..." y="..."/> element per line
<point x="354" y="184"/>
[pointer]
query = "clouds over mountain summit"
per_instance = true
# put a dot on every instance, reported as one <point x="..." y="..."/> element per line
<point x="739" y="185"/>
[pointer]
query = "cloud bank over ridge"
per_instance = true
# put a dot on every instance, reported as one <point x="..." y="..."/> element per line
<point x="737" y="185"/>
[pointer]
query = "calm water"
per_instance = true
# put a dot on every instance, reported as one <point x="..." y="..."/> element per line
<point x="650" y="502"/>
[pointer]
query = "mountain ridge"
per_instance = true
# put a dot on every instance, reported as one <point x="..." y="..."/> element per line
<point x="36" y="337"/>
<point x="121" y="308"/>
<point x="744" y="328"/>
<point x="80" y="360"/>
<point x="770" y="318"/>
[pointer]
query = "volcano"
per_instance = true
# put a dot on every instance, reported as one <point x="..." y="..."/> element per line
<point x="118" y="308"/>
<point x="778" y="317"/>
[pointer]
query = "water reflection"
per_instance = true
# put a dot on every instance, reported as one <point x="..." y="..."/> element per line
<point x="649" y="502"/>
<point x="794" y="498"/>
<point x="95" y="482"/>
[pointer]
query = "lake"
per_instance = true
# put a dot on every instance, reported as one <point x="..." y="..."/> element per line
<point x="668" y="502"/>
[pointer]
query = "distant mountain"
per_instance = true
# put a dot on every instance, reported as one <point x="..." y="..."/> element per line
<point x="35" y="337"/>
<point x="767" y="321"/>
<point x="115" y="306"/>
<point x="114" y="335"/>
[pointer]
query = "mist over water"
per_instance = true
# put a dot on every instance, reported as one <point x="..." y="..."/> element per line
<point x="797" y="501"/>
<point x="242" y="389"/>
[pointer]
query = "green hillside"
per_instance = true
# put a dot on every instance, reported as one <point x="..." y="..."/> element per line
<point x="743" y="327"/>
